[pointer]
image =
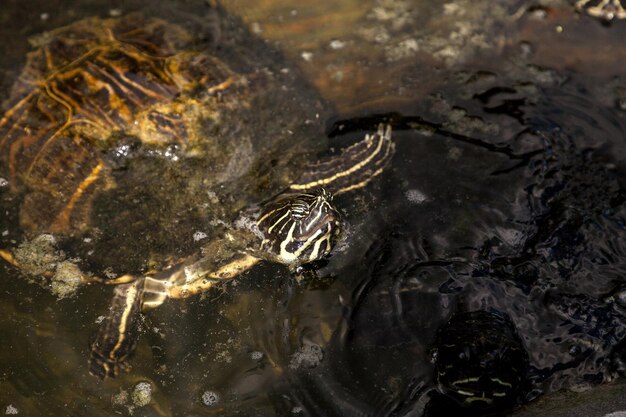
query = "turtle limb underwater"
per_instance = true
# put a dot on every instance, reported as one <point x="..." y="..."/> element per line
<point x="295" y="228"/>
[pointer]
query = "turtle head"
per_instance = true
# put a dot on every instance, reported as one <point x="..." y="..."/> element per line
<point x="299" y="228"/>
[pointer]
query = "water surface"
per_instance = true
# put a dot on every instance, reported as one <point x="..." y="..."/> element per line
<point x="506" y="194"/>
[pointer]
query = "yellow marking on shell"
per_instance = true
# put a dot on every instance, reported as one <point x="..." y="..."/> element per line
<point x="129" y="95"/>
<point x="57" y="133"/>
<point x="105" y="122"/>
<point x="52" y="94"/>
<point x="48" y="55"/>
<point x="95" y="84"/>
<point x="352" y="169"/>
<point x="71" y="104"/>
<point x="46" y="86"/>
<point x="9" y="113"/>
<point x="464" y="381"/>
<point x="119" y="106"/>
<point x="482" y="398"/>
<point x="140" y="57"/>
<point x="145" y="90"/>
<point x="222" y="86"/>
<point x="62" y="220"/>
<point x="8" y="256"/>
<point x="501" y="382"/>
<point x="75" y="62"/>
<point x="121" y="329"/>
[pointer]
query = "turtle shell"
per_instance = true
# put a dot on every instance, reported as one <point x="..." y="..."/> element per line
<point x="480" y="359"/>
<point x="125" y="138"/>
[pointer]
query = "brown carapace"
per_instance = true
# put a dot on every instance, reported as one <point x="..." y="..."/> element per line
<point x="89" y="83"/>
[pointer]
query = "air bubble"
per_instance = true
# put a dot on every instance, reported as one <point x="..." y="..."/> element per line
<point x="142" y="394"/>
<point x="415" y="196"/>
<point x="308" y="356"/>
<point x="11" y="410"/>
<point x="210" y="398"/>
<point x="337" y="44"/>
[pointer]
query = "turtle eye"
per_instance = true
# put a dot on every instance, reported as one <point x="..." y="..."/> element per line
<point x="299" y="209"/>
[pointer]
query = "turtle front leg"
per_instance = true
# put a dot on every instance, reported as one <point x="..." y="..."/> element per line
<point x="197" y="278"/>
<point x="118" y="334"/>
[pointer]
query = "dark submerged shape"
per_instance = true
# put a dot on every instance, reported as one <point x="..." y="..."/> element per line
<point x="480" y="360"/>
<point x="121" y="140"/>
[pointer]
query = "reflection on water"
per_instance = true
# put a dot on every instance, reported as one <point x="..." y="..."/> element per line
<point x="505" y="195"/>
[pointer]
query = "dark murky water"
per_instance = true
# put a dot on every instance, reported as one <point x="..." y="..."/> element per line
<point x="506" y="194"/>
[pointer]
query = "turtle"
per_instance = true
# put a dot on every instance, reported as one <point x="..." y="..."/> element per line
<point x="135" y="155"/>
<point x="480" y="360"/>
<point x="606" y="10"/>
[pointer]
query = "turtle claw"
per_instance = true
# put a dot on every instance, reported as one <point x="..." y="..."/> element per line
<point x="102" y="367"/>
